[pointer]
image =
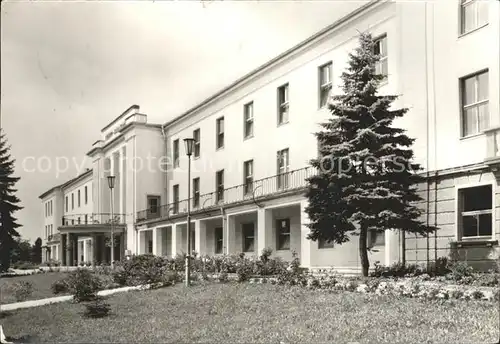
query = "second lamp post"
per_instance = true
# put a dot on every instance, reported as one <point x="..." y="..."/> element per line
<point x="111" y="184"/>
<point x="189" y="144"/>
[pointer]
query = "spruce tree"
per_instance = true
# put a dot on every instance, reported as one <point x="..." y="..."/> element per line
<point x="36" y="255"/>
<point x="8" y="204"/>
<point x="366" y="179"/>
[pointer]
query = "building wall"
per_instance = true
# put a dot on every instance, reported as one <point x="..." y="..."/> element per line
<point x="84" y="208"/>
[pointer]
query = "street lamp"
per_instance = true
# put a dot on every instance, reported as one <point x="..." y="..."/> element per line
<point x="189" y="144"/>
<point x="111" y="184"/>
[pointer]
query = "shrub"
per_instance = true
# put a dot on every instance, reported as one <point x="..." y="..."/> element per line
<point x="141" y="269"/>
<point x="244" y="269"/>
<point x="486" y="279"/>
<point x="22" y="290"/>
<point x="223" y="277"/>
<point x="97" y="309"/>
<point x="457" y="294"/>
<point x="397" y="269"/>
<point x="459" y="270"/>
<point x="84" y="285"/>
<point x="60" y="286"/>
<point x="477" y="294"/>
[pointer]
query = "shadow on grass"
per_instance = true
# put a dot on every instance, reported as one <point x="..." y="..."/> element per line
<point x="21" y="339"/>
<point x="4" y="315"/>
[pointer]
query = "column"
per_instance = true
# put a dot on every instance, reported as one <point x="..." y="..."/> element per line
<point x="392" y="248"/>
<point x="69" y="250"/>
<point x="306" y="245"/>
<point x="94" y="248"/>
<point x="64" y="247"/>
<point x="229" y="235"/>
<point x="74" y="241"/>
<point x="200" y="237"/>
<point x="176" y="239"/>
<point x="264" y="230"/>
<point x="154" y="234"/>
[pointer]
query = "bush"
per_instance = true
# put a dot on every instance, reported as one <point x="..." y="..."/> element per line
<point x="460" y="271"/>
<point x="439" y="267"/>
<point x="97" y="309"/>
<point x="25" y="266"/>
<point x="141" y="269"/>
<point x="22" y="290"/>
<point x="397" y="269"/>
<point x="84" y="285"/>
<point x="60" y="286"/>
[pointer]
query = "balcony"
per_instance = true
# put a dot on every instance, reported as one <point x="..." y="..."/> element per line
<point x="54" y="238"/>
<point x="492" y="157"/>
<point x="289" y="182"/>
<point x="95" y="219"/>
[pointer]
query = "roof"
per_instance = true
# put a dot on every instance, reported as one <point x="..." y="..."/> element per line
<point x="60" y="186"/>
<point x="275" y="60"/>
<point x="136" y="107"/>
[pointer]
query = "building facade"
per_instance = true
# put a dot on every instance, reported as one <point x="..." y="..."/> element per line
<point x="254" y="140"/>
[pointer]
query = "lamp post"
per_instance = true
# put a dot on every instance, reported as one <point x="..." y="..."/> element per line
<point x="189" y="143"/>
<point x="111" y="184"/>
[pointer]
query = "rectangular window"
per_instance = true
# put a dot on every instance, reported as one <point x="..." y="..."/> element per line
<point x="474" y="14"/>
<point x="197" y="143"/>
<point x="153" y="206"/>
<point x="476" y="209"/>
<point x="376" y="238"/>
<point x="248" y="120"/>
<point x="219" y="182"/>
<point x="175" y="153"/>
<point x="72" y="201"/>
<point x="283" y="105"/>
<point x="283" y="167"/>
<point x="79" y="204"/>
<point x="322" y="243"/>
<point x="475" y="105"/>
<point x="283" y="234"/>
<point x="175" y="198"/>
<point x="46" y="212"/>
<point x="86" y="195"/>
<point x="248" y="237"/>
<point x="219" y="240"/>
<point x="248" y="176"/>
<point x="325" y="83"/>
<point x="196" y="192"/>
<point x="66" y="203"/>
<point x="220" y="132"/>
<point x="380" y="49"/>
<point x="150" y="246"/>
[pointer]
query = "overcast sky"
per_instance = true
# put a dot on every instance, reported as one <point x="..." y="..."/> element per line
<point x="69" y="68"/>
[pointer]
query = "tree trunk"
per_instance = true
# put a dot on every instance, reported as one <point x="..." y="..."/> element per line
<point x="363" y="252"/>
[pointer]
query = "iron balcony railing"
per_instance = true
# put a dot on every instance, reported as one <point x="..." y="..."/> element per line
<point x="290" y="181"/>
<point x="92" y="219"/>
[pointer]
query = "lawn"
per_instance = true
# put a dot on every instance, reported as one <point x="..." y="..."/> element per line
<point x="41" y="286"/>
<point x="251" y="313"/>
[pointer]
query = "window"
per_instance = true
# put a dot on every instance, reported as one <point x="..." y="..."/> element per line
<point x="248" y="120"/>
<point x="322" y="243"/>
<point x="475" y="111"/>
<point x="219" y="240"/>
<point x="51" y="229"/>
<point x="66" y="203"/>
<point x="376" y="238"/>
<point x="220" y="132"/>
<point x="282" y="165"/>
<point x="325" y="83"/>
<point x="86" y="219"/>
<point x="175" y="192"/>
<point x="46" y="207"/>
<point x="248" y="237"/>
<point x="474" y="14"/>
<point x="86" y="195"/>
<point x="283" y="234"/>
<point x="197" y="144"/>
<point x="380" y="49"/>
<point x="475" y="206"/>
<point x="248" y="176"/>
<point x="79" y="220"/>
<point x="283" y="104"/>
<point x="219" y="182"/>
<point x="196" y="192"/>
<point x="175" y="153"/>
<point x="153" y="206"/>
<point x="79" y="204"/>
<point x="72" y="201"/>
<point x="150" y="246"/>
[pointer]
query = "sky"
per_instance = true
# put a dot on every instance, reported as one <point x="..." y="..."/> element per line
<point x="68" y="68"/>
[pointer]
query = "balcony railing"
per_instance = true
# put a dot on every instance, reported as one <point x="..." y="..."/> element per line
<point x="54" y="237"/>
<point x="492" y="143"/>
<point x="92" y="219"/>
<point x="281" y="183"/>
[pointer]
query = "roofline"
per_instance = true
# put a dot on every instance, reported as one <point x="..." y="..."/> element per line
<point x="49" y="191"/>
<point x="120" y="117"/>
<point x="275" y="60"/>
<point x="77" y="178"/>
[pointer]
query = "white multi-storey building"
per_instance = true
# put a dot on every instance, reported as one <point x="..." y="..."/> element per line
<point x="254" y="140"/>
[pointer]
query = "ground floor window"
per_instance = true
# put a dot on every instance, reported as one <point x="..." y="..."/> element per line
<point x="283" y="234"/>
<point x="219" y="241"/>
<point x="248" y="237"/>
<point x="476" y="211"/>
<point x="150" y="246"/>
<point x="322" y="243"/>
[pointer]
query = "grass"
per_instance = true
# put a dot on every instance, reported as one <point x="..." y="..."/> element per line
<point x="41" y="286"/>
<point x="249" y="313"/>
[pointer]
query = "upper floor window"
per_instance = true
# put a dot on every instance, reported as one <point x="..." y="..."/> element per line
<point x="283" y="104"/>
<point x="475" y="111"/>
<point x="380" y="49"/>
<point x="46" y="209"/>
<point x="248" y="120"/>
<point x="153" y="205"/>
<point x="79" y="204"/>
<point x="248" y="176"/>
<point x="325" y="83"/>
<point x="219" y="181"/>
<point x="282" y="167"/>
<point x="72" y="201"/>
<point x="476" y="211"/>
<point x="197" y="143"/>
<point x="220" y="132"/>
<point x="474" y="14"/>
<point x="175" y="153"/>
<point x="196" y="192"/>
<point x="283" y="234"/>
<point x="175" y="196"/>
<point x="86" y="195"/>
<point x="66" y="201"/>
